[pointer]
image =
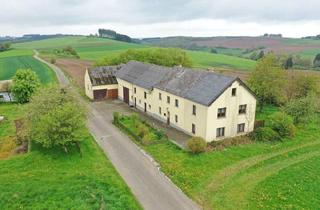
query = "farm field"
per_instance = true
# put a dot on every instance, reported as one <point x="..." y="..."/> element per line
<point x="252" y="176"/>
<point x="94" y="49"/>
<point x="9" y="66"/>
<point x="51" y="178"/>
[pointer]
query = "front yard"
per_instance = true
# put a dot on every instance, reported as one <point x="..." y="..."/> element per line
<point x="52" y="179"/>
<point x="253" y="176"/>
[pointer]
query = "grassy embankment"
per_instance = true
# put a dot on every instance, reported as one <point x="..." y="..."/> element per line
<point x="255" y="176"/>
<point x="51" y="179"/>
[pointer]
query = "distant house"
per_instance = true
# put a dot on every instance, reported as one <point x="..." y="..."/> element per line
<point x="199" y="103"/>
<point x="5" y="94"/>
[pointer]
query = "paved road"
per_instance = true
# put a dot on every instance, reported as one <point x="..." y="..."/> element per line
<point x="153" y="190"/>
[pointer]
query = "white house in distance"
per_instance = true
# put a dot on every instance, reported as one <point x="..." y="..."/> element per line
<point x="197" y="102"/>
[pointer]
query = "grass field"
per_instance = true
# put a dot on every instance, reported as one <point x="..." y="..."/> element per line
<point x="51" y="179"/>
<point x="254" y="176"/>
<point x="9" y="66"/>
<point x="94" y="49"/>
<point x="207" y="60"/>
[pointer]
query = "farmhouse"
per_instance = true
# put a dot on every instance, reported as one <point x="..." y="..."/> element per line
<point x="197" y="102"/>
<point x="5" y="94"/>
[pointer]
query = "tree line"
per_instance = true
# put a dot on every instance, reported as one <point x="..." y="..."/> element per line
<point x="107" y="33"/>
<point x="161" y="56"/>
<point x="4" y="46"/>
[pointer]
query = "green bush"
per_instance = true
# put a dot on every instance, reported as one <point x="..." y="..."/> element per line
<point x="282" y="124"/>
<point x="142" y="130"/>
<point x="197" y="145"/>
<point x="149" y="138"/>
<point x="265" y="134"/>
<point x="116" y="116"/>
<point x="301" y="109"/>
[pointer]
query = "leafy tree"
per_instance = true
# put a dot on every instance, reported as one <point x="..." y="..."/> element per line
<point x="55" y="118"/>
<point x="302" y="109"/>
<point x="5" y="46"/>
<point x="288" y="64"/>
<point x="267" y="81"/>
<point x="316" y="61"/>
<point x="160" y="56"/>
<point x="260" y="55"/>
<point x="25" y="83"/>
<point x="214" y="51"/>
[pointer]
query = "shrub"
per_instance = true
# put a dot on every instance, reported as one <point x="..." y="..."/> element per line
<point x="149" y="138"/>
<point x="234" y="141"/>
<point x="142" y="130"/>
<point x="116" y="117"/>
<point x="282" y="124"/>
<point x="197" y="145"/>
<point x="301" y="109"/>
<point x="52" y="60"/>
<point x="265" y="134"/>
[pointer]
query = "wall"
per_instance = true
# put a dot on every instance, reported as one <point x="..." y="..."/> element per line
<point x="233" y="118"/>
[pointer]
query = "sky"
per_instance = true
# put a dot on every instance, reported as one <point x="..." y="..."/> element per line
<point x="160" y="18"/>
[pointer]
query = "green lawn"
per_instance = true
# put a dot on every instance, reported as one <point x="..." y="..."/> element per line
<point x="51" y="179"/>
<point x="236" y="177"/>
<point x="9" y="66"/>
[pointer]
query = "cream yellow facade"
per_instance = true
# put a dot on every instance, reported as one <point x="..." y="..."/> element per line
<point x="193" y="118"/>
<point x="89" y="88"/>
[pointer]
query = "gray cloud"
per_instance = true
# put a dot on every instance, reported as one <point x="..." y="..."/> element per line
<point x="44" y="13"/>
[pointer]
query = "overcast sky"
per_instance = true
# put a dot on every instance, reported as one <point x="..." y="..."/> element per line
<point x="153" y="18"/>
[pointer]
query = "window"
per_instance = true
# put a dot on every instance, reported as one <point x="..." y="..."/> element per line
<point x="243" y="109"/>
<point x="145" y="95"/>
<point x="194" y="110"/>
<point x="234" y="91"/>
<point x="176" y="118"/>
<point x="241" y="127"/>
<point x="220" y="132"/>
<point x="222" y="112"/>
<point x="177" y="103"/>
<point x="159" y="110"/>
<point x="193" y="128"/>
<point x="160" y="96"/>
<point x="168" y="99"/>
<point x="135" y="90"/>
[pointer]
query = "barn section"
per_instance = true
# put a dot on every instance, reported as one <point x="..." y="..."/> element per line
<point x="101" y="83"/>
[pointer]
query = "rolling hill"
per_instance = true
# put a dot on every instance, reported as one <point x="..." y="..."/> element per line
<point x="94" y="49"/>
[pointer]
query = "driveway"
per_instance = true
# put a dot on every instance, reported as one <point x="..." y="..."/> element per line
<point x="152" y="188"/>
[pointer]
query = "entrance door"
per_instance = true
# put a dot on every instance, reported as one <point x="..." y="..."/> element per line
<point x="168" y="118"/>
<point x="126" y="95"/>
<point x="145" y="107"/>
<point x="99" y="94"/>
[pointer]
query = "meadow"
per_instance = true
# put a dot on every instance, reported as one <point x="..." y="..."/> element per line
<point x="95" y="49"/>
<point x="9" y="66"/>
<point x="50" y="178"/>
<point x="253" y="176"/>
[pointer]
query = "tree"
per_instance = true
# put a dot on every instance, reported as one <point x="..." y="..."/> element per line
<point x="282" y="124"/>
<point x="260" y="55"/>
<point x="267" y="81"/>
<point x="25" y="83"/>
<point x="160" y="56"/>
<point x="214" y="51"/>
<point x="316" y="61"/>
<point x="302" y="109"/>
<point x="288" y="64"/>
<point x="55" y="118"/>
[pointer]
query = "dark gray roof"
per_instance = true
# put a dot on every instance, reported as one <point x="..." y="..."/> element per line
<point x="104" y="75"/>
<point x="200" y="86"/>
